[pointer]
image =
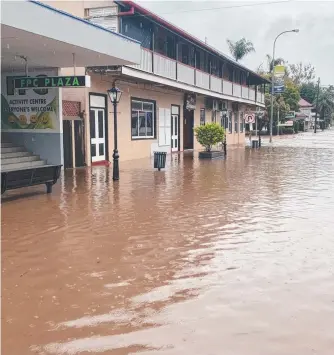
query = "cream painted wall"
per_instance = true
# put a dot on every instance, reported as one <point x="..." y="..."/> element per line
<point x="237" y="139"/>
<point x="134" y="149"/>
<point x="77" y="7"/>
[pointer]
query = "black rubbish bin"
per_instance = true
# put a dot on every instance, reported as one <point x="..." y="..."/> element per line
<point x="255" y="144"/>
<point x="159" y="160"/>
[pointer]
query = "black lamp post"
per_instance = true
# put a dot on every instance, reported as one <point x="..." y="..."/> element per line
<point x="114" y="96"/>
<point x="224" y="113"/>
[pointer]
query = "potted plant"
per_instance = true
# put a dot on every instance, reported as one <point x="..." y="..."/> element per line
<point x="209" y="135"/>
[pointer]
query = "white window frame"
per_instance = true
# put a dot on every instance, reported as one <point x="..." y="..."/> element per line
<point x="142" y="102"/>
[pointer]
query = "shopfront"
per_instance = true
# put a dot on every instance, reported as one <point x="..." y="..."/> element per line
<point x="37" y="51"/>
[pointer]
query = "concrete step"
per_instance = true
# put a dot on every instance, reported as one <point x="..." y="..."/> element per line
<point x="24" y="165"/>
<point x="5" y="161"/>
<point x="12" y="149"/>
<point x="6" y="145"/>
<point x="14" y="154"/>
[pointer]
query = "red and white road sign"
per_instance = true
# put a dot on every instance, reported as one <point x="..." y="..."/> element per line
<point x="249" y="118"/>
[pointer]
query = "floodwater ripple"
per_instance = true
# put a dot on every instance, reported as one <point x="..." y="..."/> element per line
<point x="230" y="256"/>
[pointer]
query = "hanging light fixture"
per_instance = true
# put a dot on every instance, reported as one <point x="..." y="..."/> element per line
<point x="114" y="95"/>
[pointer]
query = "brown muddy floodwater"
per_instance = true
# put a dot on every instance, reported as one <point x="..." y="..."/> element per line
<point x="217" y="257"/>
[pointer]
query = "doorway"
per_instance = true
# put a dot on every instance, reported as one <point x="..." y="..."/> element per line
<point x="97" y="135"/>
<point x="175" y="128"/>
<point x="98" y="127"/>
<point x="79" y="143"/>
<point x="188" y="129"/>
<point x="67" y="144"/>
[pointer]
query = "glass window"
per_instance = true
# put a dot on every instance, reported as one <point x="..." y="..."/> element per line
<point x="149" y="124"/>
<point x="101" y="149"/>
<point x="214" y="116"/>
<point x="142" y="119"/>
<point x="92" y="124"/>
<point x="236" y="122"/>
<point x="93" y="150"/>
<point x="230" y="121"/>
<point x="202" y="117"/>
<point x="134" y="124"/>
<point x="100" y="122"/>
<point x="142" y="124"/>
<point x="241" y="122"/>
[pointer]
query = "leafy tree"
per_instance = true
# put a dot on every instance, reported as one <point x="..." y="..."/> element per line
<point x="326" y="102"/>
<point x="279" y="105"/>
<point x="272" y="63"/>
<point x="209" y="135"/>
<point x="308" y="92"/>
<point x="301" y="73"/>
<point x="291" y="95"/>
<point x="241" y="48"/>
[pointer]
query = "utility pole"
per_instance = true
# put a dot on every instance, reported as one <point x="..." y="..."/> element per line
<point x="272" y="85"/>
<point x="316" y="107"/>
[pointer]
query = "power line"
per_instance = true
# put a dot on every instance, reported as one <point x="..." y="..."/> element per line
<point x="220" y="8"/>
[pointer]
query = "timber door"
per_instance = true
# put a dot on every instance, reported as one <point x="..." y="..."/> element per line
<point x="188" y="129"/>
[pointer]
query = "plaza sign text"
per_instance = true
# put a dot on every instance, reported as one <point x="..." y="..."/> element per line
<point x="52" y="82"/>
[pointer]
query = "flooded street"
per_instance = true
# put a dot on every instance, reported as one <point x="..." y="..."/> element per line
<point x="216" y="257"/>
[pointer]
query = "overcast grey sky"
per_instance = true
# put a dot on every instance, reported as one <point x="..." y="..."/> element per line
<point x="260" y="24"/>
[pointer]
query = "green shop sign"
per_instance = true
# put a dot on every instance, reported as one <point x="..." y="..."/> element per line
<point x="52" y="82"/>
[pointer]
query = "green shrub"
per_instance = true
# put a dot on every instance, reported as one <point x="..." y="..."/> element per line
<point x="288" y="130"/>
<point x="209" y="135"/>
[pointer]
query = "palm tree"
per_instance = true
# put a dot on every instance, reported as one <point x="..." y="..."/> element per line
<point x="240" y="48"/>
<point x="272" y="63"/>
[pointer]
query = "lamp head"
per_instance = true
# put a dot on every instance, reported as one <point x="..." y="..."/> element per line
<point x="114" y="95"/>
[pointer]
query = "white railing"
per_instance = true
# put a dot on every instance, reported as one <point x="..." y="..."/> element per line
<point x="251" y="94"/>
<point x="216" y="84"/>
<point x="145" y="61"/>
<point x="185" y="74"/>
<point x="227" y="87"/>
<point x="171" y="69"/>
<point x="164" y="66"/>
<point x="244" y="92"/>
<point x="236" y="90"/>
<point x="202" y="79"/>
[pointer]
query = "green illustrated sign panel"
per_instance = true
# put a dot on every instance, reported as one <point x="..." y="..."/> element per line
<point x="52" y="82"/>
<point x="29" y="108"/>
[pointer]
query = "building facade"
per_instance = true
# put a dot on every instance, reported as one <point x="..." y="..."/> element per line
<point x="33" y="119"/>
<point x="180" y="83"/>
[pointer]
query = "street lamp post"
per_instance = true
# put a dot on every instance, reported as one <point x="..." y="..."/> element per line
<point x="224" y="114"/>
<point x="272" y="84"/>
<point x="115" y="95"/>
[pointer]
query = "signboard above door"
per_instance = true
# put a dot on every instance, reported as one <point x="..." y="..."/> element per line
<point x="190" y="101"/>
<point x="75" y="81"/>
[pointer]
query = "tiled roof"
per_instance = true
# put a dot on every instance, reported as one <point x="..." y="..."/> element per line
<point x="304" y="103"/>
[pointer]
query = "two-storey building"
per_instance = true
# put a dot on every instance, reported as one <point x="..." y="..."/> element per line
<point x="181" y="82"/>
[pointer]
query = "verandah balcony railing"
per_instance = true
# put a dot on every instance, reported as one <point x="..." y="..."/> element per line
<point x="202" y="79"/>
<point x="227" y="87"/>
<point x="164" y="66"/>
<point x="185" y="73"/>
<point x="158" y="64"/>
<point x="216" y="84"/>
